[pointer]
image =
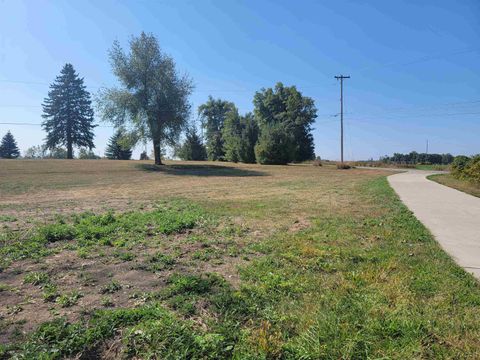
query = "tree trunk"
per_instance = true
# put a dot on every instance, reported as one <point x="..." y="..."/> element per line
<point x="69" y="151"/>
<point x="156" y="150"/>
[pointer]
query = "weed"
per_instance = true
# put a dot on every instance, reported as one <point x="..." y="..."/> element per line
<point x="56" y="232"/>
<point x="37" y="278"/>
<point x="50" y="293"/>
<point x="125" y="256"/>
<point x="110" y="288"/>
<point x="157" y="262"/>
<point x="107" y="301"/>
<point x="68" y="299"/>
<point x="107" y="229"/>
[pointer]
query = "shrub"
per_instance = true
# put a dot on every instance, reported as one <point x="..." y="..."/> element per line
<point x="472" y="169"/>
<point x="466" y="168"/>
<point x="458" y="165"/>
<point x="343" y="166"/>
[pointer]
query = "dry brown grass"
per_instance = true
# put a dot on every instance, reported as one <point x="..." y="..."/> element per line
<point x="38" y="189"/>
<point x="462" y="185"/>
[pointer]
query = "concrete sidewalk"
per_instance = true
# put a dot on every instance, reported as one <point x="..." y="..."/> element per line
<point x="452" y="216"/>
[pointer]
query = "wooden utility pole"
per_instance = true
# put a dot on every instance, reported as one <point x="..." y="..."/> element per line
<point x="341" y="77"/>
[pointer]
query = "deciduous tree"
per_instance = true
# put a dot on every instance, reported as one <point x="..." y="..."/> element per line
<point x="212" y="116"/>
<point x="240" y="134"/>
<point x="153" y="97"/>
<point x="286" y="108"/>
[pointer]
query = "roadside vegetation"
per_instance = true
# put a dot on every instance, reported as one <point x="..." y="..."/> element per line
<point x="462" y="185"/>
<point x="464" y="176"/>
<point x="296" y="262"/>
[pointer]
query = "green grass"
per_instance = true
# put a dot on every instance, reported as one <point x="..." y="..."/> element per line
<point x="461" y="185"/>
<point x="431" y="167"/>
<point x="88" y="230"/>
<point x="366" y="284"/>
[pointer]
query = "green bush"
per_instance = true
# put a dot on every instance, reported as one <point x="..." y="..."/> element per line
<point x="466" y="168"/>
<point x="472" y="169"/>
<point x="458" y="165"/>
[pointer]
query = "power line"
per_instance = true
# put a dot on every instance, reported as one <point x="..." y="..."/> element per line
<point x="37" y="124"/>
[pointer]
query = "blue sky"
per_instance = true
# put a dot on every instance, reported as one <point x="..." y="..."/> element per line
<point x="414" y="65"/>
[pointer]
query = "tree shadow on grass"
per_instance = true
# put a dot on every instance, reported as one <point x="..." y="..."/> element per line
<point x="200" y="170"/>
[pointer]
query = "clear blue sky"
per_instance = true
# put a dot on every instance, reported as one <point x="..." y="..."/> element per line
<point x="414" y="65"/>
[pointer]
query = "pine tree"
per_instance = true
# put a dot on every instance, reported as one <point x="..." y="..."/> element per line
<point x="8" y="147"/>
<point x="192" y="148"/>
<point x="68" y="113"/>
<point x="116" y="149"/>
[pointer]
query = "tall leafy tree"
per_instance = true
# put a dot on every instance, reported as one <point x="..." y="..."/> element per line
<point x="240" y="134"/>
<point x="286" y="108"/>
<point x="274" y="146"/>
<point x="212" y="116"/>
<point x="153" y="97"/>
<point x="8" y="147"/>
<point x="118" y="147"/>
<point x="192" y="148"/>
<point x="68" y="113"/>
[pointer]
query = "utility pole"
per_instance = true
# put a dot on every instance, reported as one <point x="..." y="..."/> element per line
<point x="427" y="147"/>
<point x="341" y="77"/>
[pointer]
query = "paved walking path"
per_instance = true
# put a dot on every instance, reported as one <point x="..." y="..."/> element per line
<point x="452" y="216"/>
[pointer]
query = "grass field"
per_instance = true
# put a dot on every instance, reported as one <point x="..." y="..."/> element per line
<point x="462" y="185"/>
<point x="112" y="259"/>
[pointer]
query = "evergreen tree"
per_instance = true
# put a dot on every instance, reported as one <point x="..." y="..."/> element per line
<point x="144" y="156"/>
<point x="240" y="134"/>
<point x="85" y="154"/>
<point x="8" y="147"/>
<point x="213" y="115"/>
<point x="293" y="112"/>
<point x="192" y="148"/>
<point x="118" y="148"/>
<point x="68" y="113"/>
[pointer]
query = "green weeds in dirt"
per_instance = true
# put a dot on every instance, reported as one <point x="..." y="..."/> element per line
<point x="88" y="229"/>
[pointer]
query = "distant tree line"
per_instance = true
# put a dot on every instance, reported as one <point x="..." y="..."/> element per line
<point x="415" y="158"/>
<point x="152" y="103"/>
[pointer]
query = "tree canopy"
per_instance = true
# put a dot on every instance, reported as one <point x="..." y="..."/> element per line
<point x="8" y="147"/>
<point x="240" y="134"/>
<point x="67" y="113"/>
<point x="286" y="108"/>
<point x="212" y="116"/>
<point x="153" y="97"/>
